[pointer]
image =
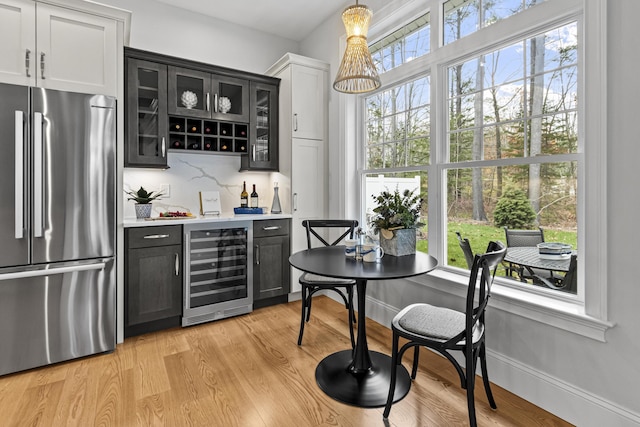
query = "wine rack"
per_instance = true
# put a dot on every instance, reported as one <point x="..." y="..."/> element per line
<point x="207" y="136"/>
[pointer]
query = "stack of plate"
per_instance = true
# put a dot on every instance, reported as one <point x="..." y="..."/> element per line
<point x="554" y="250"/>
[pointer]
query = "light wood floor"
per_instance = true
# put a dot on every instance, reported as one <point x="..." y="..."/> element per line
<point x="244" y="371"/>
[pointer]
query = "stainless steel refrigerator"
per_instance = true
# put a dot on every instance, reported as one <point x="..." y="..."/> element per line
<point x="57" y="226"/>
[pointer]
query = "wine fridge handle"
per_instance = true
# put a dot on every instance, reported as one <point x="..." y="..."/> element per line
<point x="208" y="101"/>
<point x="164" y="147"/>
<point x="295" y="202"/>
<point x="42" y="65"/>
<point x="215" y="103"/>
<point x="253" y="152"/>
<point x="38" y="175"/>
<point x="295" y="122"/>
<point x="27" y="62"/>
<point x="257" y="254"/>
<point x="177" y="264"/>
<point x="19" y="170"/>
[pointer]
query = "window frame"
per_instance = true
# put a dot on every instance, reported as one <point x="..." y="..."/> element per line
<point x="587" y="314"/>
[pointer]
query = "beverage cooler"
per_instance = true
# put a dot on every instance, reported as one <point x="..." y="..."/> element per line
<point x="218" y="271"/>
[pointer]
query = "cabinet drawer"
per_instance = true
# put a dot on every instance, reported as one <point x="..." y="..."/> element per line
<point x="145" y="237"/>
<point x="271" y="227"/>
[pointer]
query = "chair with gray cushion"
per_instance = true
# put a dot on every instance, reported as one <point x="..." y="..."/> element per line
<point x="312" y="283"/>
<point x="466" y="249"/>
<point x="521" y="238"/>
<point x="445" y="330"/>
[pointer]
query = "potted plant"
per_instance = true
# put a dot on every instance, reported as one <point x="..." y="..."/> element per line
<point x="396" y="219"/>
<point x="143" y="199"/>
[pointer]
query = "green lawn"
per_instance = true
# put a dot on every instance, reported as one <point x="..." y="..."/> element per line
<point x="480" y="235"/>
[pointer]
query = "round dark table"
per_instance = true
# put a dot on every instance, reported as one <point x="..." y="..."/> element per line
<point x="361" y="377"/>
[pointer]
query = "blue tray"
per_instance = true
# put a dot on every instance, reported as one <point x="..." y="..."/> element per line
<point x="253" y="211"/>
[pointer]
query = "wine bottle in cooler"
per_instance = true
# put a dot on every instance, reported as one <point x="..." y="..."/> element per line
<point x="244" y="196"/>
<point x="254" y="197"/>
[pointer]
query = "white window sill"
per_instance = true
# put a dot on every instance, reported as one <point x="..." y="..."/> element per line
<point x="567" y="315"/>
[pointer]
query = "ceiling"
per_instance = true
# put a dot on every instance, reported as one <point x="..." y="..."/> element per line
<point x="291" y="19"/>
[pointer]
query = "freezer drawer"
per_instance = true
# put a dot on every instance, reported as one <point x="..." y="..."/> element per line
<point x="56" y="314"/>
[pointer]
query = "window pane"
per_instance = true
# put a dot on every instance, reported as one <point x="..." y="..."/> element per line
<point x="398" y="126"/>
<point x="464" y="17"/>
<point x="409" y="42"/>
<point x="413" y="181"/>
<point x="497" y="111"/>
<point x="481" y="201"/>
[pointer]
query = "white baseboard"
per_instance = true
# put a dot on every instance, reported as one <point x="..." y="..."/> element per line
<point x="574" y="405"/>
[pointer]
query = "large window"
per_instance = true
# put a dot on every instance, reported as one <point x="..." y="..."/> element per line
<point x="495" y="130"/>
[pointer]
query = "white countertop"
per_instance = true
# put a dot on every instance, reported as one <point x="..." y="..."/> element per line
<point x="134" y="222"/>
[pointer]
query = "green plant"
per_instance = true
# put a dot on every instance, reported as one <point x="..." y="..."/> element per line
<point x="142" y="196"/>
<point x="514" y="210"/>
<point x="396" y="210"/>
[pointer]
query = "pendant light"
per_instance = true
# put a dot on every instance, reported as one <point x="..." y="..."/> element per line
<point x="356" y="74"/>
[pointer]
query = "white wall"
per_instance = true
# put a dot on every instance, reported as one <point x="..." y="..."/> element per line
<point x="586" y="382"/>
<point x="159" y="27"/>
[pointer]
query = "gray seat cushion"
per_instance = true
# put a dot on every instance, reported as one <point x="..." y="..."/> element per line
<point x="313" y="279"/>
<point x="433" y="322"/>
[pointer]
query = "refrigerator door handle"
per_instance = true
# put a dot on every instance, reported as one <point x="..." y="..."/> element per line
<point x="38" y="175"/>
<point x="19" y="179"/>
<point x="53" y="271"/>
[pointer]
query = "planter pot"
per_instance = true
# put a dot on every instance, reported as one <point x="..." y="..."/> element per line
<point x="143" y="211"/>
<point x="402" y="242"/>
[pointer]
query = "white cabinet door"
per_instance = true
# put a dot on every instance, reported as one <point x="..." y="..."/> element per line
<point x="308" y="102"/>
<point x="308" y="192"/>
<point x="17" y="42"/>
<point x="76" y="51"/>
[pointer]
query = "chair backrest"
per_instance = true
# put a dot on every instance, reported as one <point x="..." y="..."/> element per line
<point x="315" y="226"/>
<point x="481" y="278"/>
<point x="466" y="249"/>
<point x="517" y="238"/>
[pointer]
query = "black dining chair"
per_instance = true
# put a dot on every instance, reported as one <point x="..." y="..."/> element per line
<point x="521" y="238"/>
<point x="312" y="283"/>
<point x="466" y="249"/>
<point x="445" y="330"/>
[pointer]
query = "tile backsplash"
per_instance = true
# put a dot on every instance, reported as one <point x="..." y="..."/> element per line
<point x="188" y="174"/>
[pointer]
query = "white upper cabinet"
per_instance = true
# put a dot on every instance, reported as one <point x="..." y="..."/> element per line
<point x="308" y="102"/>
<point x="57" y="48"/>
<point x="17" y="42"/>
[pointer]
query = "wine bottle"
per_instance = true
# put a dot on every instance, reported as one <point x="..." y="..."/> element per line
<point x="244" y="196"/>
<point x="254" y="197"/>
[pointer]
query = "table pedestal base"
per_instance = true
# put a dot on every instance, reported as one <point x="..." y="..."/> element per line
<point x="368" y="389"/>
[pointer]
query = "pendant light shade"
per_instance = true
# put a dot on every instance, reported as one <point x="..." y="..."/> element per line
<point x="356" y="74"/>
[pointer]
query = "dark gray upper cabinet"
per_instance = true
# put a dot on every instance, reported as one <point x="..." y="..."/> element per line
<point x="146" y="112"/>
<point x="206" y="108"/>
<point x="206" y="95"/>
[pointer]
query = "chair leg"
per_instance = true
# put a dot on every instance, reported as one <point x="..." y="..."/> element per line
<point x="392" y="385"/>
<point x="303" y="313"/>
<point x="352" y="318"/>
<point x="416" y="357"/>
<point x="308" y="301"/>
<point x="470" y="374"/>
<point x="485" y="377"/>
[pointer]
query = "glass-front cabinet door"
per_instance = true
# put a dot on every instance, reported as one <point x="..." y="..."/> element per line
<point x="146" y="114"/>
<point x="263" y="137"/>
<point x="230" y="99"/>
<point x="189" y="92"/>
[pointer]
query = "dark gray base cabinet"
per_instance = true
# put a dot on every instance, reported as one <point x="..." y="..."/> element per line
<point x="153" y="279"/>
<point x="271" y="271"/>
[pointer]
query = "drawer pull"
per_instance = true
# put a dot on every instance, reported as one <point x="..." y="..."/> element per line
<point x="156" y="236"/>
<point x="271" y="228"/>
